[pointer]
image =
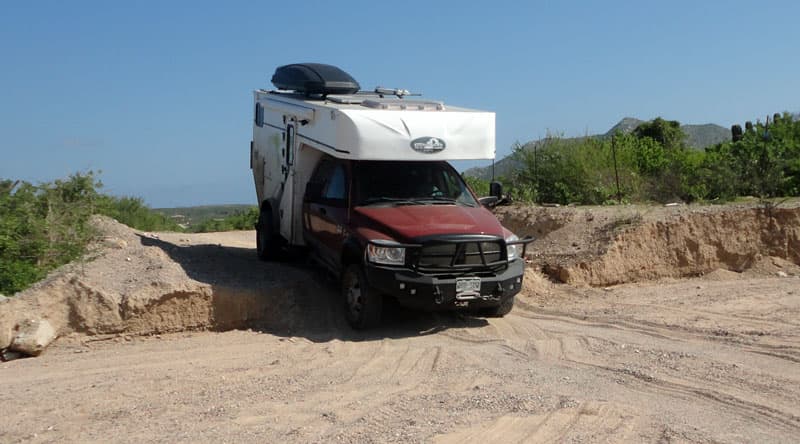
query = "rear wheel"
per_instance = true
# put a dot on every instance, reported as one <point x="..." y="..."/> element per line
<point x="501" y="310"/>
<point x="265" y="239"/>
<point x="363" y="305"/>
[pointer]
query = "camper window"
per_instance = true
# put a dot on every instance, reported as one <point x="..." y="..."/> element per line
<point x="259" y="117"/>
<point x="290" y="145"/>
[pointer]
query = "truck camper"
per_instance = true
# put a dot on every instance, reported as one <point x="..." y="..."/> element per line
<point x="361" y="180"/>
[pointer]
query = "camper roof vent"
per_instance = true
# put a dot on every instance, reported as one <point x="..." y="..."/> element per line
<point x="402" y="104"/>
<point x="314" y="78"/>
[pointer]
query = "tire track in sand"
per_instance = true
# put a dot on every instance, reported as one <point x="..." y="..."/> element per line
<point x="597" y="422"/>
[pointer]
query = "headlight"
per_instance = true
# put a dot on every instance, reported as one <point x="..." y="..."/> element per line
<point x="514" y="251"/>
<point x="386" y="255"/>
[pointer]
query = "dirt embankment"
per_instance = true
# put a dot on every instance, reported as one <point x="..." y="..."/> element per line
<point x="141" y="283"/>
<point x="608" y="246"/>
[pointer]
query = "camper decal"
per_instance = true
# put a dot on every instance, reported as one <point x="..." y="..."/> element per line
<point x="427" y="144"/>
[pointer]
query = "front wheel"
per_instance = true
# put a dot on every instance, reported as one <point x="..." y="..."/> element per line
<point x="363" y="305"/>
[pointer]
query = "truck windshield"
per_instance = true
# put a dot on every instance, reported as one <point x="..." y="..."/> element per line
<point x="410" y="183"/>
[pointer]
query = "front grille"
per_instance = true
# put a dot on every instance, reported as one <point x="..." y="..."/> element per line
<point x="460" y="254"/>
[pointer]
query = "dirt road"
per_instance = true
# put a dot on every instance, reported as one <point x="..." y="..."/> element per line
<point x="711" y="359"/>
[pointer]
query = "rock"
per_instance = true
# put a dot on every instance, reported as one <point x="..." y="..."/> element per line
<point x="8" y="355"/>
<point x="113" y="242"/>
<point x="3" y="298"/>
<point x="782" y="274"/>
<point x="7" y="324"/>
<point x="33" y="337"/>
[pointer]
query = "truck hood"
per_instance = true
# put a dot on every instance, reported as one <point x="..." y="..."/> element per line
<point x="406" y="222"/>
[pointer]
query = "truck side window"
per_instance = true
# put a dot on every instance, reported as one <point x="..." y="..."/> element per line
<point x="336" y="188"/>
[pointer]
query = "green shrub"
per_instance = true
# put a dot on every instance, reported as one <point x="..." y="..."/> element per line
<point x="46" y="225"/>
<point x="43" y="226"/>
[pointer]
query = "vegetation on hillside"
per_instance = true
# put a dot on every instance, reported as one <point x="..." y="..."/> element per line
<point x="697" y="137"/>
<point x="653" y="163"/>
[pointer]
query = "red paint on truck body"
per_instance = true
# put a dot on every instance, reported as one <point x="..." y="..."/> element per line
<point x="407" y="222"/>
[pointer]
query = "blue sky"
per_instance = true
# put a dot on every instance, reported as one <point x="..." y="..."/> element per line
<point x="157" y="95"/>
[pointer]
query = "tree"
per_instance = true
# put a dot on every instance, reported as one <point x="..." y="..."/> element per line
<point x="668" y="133"/>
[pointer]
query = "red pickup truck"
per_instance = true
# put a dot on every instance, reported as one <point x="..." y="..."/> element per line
<point x="409" y="230"/>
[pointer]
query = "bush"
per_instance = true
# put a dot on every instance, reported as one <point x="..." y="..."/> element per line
<point x="582" y="170"/>
<point x="42" y="227"/>
<point x="46" y="225"/>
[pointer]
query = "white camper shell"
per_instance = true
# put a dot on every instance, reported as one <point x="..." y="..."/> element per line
<point x="292" y="131"/>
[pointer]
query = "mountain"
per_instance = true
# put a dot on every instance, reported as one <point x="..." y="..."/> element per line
<point x="697" y="136"/>
<point x="701" y="136"/>
<point x="626" y="125"/>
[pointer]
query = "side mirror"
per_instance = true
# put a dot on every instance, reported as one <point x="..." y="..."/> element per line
<point x="496" y="190"/>
<point x="313" y="192"/>
<point x="489" y="201"/>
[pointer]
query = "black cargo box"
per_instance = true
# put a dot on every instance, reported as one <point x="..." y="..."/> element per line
<point x="314" y="78"/>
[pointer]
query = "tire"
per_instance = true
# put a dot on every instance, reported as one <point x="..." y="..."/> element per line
<point x="266" y="246"/>
<point x="362" y="304"/>
<point x="501" y="310"/>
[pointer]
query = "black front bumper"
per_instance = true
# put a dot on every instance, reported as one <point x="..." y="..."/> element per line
<point x="431" y="292"/>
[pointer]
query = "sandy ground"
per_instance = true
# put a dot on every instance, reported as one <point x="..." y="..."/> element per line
<point x="710" y="359"/>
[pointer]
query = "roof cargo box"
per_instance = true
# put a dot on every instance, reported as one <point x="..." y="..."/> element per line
<point x="314" y="78"/>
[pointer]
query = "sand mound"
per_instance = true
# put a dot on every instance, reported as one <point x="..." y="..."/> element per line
<point x="722" y="275"/>
<point x="773" y="266"/>
<point x="535" y="282"/>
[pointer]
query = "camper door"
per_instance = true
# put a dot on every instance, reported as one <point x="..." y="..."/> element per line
<point x="288" y="153"/>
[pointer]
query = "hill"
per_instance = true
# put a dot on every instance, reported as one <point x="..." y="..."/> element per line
<point x="701" y="136"/>
<point x="697" y="136"/>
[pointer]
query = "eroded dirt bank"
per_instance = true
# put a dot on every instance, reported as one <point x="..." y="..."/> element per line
<point x="142" y="283"/>
<point x="608" y="246"/>
<point x="708" y="359"/>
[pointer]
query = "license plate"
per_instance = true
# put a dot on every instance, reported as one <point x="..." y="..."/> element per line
<point x="468" y="285"/>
